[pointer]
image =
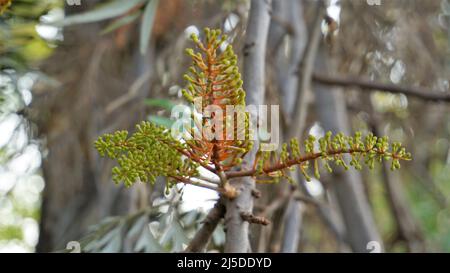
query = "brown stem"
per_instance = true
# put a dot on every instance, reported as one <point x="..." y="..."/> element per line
<point x="300" y="160"/>
<point x="203" y="235"/>
<point x="253" y="219"/>
<point x="187" y="154"/>
<point x="227" y="190"/>
<point x="369" y="85"/>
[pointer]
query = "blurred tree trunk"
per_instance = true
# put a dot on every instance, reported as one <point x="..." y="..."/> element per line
<point x="287" y="22"/>
<point x="103" y="82"/>
<point x="408" y="229"/>
<point x="78" y="190"/>
<point x="348" y="186"/>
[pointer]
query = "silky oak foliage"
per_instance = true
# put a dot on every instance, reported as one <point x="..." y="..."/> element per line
<point x="214" y="77"/>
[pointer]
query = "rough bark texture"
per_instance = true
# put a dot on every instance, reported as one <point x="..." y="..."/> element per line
<point x="254" y="84"/>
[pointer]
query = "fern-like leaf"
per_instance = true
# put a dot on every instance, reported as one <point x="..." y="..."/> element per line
<point x="372" y="149"/>
<point x="150" y="152"/>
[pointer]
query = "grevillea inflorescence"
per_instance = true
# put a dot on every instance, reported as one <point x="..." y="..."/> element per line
<point x="214" y="80"/>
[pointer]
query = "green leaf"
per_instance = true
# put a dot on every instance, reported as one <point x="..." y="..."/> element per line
<point x="147" y="25"/>
<point x="163" y="121"/>
<point x="121" y="22"/>
<point x="137" y="227"/>
<point x="148" y="243"/>
<point x="109" y="10"/>
<point x="12" y="63"/>
<point x="163" y="103"/>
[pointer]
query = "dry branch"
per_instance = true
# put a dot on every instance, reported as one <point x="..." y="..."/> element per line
<point x="203" y="235"/>
<point x="369" y="85"/>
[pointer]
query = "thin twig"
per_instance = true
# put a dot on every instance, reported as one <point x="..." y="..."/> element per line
<point x="131" y="94"/>
<point x="369" y="85"/>
<point x="196" y="183"/>
<point x="203" y="235"/>
<point x="300" y="160"/>
<point x="207" y="179"/>
<point x="306" y="70"/>
<point x="309" y="200"/>
<point x="253" y="219"/>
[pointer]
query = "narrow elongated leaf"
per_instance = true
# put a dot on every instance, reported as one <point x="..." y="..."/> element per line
<point x="163" y="103"/>
<point x="137" y="227"/>
<point x="147" y="24"/>
<point x="121" y="22"/>
<point x="110" y="10"/>
<point x="114" y="245"/>
<point x="148" y="243"/>
<point x="163" y="121"/>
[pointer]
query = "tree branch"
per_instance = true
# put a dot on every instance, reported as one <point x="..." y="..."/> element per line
<point x="306" y="69"/>
<point x="300" y="85"/>
<point x="202" y="184"/>
<point x="253" y="219"/>
<point x="302" y="159"/>
<point x="237" y="239"/>
<point x="203" y="235"/>
<point x="369" y="85"/>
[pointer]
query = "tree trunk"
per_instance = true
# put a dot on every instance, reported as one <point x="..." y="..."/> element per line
<point x="348" y="186"/>
<point x="237" y="235"/>
<point x="288" y="81"/>
<point x="78" y="191"/>
<point x="408" y="229"/>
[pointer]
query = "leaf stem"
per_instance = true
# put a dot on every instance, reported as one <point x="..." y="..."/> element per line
<point x="308" y="157"/>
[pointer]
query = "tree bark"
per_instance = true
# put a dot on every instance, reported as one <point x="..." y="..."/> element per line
<point x="288" y="80"/>
<point x="237" y="235"/>
<point x="78" y="191"/>
<point x="292" y="224"/>
<point x="203" y="235"/>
